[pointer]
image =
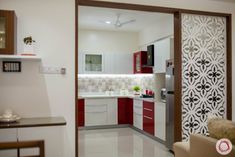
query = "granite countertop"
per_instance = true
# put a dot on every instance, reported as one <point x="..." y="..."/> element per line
<point x="35" y="122"/>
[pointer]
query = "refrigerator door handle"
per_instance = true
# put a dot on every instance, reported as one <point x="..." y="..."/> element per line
<point x="170" y="92"/>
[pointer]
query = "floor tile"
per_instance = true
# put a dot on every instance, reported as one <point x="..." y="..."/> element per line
<point x="121" y="142"/>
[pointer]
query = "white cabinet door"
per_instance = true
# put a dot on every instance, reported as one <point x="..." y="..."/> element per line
<point x="160" y="120"/>
<point x="138" y="114"/>
<point x="8" y="135"/>
<point x="138" y="121"/>
<point x="53" y="137"/>
<point x="162" y="52"/>
<point x="100" y="112"/>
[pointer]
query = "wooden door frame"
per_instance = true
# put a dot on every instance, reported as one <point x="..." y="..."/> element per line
<point x="177" y="53"/>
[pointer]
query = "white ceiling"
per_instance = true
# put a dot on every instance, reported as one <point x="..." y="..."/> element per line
<point x="91" y="17"/>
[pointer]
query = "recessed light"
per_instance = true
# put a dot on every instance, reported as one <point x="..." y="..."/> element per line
<point x="107" y="22"/>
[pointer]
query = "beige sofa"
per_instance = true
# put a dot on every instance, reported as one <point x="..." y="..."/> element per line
<point x="199" y="146"/>
<point x="203" y="146"/>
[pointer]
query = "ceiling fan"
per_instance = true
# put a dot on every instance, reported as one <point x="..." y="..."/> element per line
<point x="118" y="23"/>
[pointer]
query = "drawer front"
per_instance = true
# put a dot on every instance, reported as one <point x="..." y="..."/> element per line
<point x="95" y="108"/>
<point x="148" y="124"/>
<point x="138" y="110"/>
<point x="96" y="118"/>
<point x="138" y="121"/>
<point x="148" y="105"/>
<point x="138" y="103"/>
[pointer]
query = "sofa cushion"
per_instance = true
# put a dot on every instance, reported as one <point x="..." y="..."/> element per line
<point x="221" y="128"/>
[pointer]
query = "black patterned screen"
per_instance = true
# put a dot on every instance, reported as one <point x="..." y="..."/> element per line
<point x="204" y="71"/>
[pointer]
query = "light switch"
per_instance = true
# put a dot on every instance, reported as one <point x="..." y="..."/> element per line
<point x="52" y="70"/>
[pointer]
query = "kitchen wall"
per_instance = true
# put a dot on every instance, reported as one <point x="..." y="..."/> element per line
<point x="32" y="94"/>
<point x="101" y="83"/>
<point x="116" y="47"/>
<point x="107" y="41"/>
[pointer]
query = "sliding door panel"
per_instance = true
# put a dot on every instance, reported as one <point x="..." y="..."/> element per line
<point x="203" y="71"/>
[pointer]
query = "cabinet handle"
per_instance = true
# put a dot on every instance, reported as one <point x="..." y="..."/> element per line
<point x="96" y="112"/>
<point x="147" y="109"/>
<point x="137" y="107"/>
<point x="96" y="105"/>
<point x="148" y="117"/>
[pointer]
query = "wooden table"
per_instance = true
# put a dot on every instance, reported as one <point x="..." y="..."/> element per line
<point x="34" y="122"/>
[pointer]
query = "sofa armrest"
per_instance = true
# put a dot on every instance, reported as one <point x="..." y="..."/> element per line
<point x="204" y="146"/>
<point x="181" y="149"/>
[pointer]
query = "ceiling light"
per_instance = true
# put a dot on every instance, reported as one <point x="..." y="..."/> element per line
<point x="107" y="22"/>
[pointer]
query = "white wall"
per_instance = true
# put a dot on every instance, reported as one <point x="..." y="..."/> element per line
<point x="162" y="29"/>
<point x="107" y="41"/>
<point x="116" y="47"/>
<point x="51" y="24"/>
<point x="203" y="5"/>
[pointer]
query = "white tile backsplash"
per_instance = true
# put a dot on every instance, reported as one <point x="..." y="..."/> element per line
<point x="101" y="83"/>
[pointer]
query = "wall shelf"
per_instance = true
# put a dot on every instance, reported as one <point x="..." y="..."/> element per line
<point x="20" y="57"/>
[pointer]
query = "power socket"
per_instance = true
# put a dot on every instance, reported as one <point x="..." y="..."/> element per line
<point x="52" y="70"/>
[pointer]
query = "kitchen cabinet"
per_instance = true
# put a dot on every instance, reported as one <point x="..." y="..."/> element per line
<point x="139" y="62"/>
<point x="130" y="111"/>
<point x="160" y="120"/>
<point x="148" y="117"/>
<point x="81" y="114"/>
<point x="100" y="112"/>
<point x="125" y="111"/>
<point x="138" y="114"/>
<point x="109" y="63"/>
<point x="122" y="111"/>
<point x="7" y="32"/>
<point x="8" y="135"/>
<point x="163" y="50"/>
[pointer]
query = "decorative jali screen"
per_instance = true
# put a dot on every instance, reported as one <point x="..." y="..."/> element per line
<point x="204" y="71"/>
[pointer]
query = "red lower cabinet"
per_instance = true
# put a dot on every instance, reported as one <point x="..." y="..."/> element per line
<point x="148" y="117"/>
<point x="125" y="111"/>
<point x="130" y="111"/>
<point x="81" y="112"/>
<point x="122" y="111"/>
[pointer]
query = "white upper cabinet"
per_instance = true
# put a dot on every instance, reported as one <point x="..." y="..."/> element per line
<point x="163" y="50"/>
<point x="105" y="63"/>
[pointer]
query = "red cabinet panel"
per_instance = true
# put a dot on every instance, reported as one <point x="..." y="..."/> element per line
<point x="122" y="110"/>
<point x="148" y="117"/>
<point x="130" y="111"/>
<point x="140" y="59"/>
<point x="81" y="112"/>
<point x="125" y="111"/>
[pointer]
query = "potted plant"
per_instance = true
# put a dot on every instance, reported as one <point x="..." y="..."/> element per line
<point x="28" y="46"/>
<point x="136" y="90"/>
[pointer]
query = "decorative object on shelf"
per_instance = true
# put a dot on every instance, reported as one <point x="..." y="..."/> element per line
<point x="29" y="46"/>
<point x="9" y="117"/>
<point x="11" y="66"/>
<point x="137" y="90"/>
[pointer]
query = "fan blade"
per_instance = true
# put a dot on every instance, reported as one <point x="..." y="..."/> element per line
<point x="126" y="22"/>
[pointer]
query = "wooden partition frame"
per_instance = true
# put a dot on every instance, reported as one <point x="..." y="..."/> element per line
<point x="177" y="53"/>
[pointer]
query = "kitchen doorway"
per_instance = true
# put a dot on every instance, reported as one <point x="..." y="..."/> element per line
<point x="177" y="13"/>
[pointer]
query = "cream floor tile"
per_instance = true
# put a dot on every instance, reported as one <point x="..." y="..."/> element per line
<point x="121" y="142"/>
